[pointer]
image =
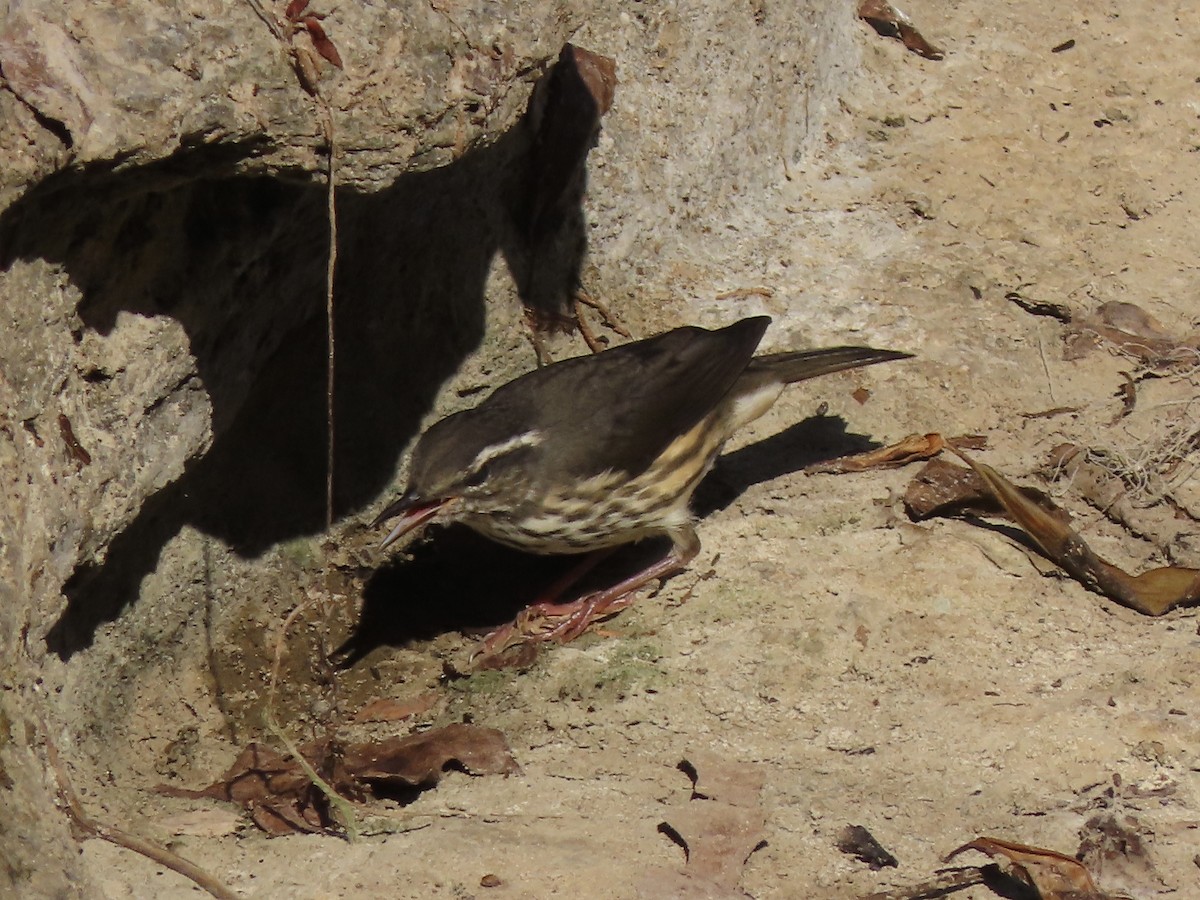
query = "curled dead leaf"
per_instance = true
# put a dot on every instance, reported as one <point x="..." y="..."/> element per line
<point x="890" y="21"/>
<point x="911" y="449"/>
<point x="942" y="488"/>
<point x="1053" y="875"/>
<point x="282" y="800"/>
<point x="1130" y="330"/>
<point x="1151" y="593"/>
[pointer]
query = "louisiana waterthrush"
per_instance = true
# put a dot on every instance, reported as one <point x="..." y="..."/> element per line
<point x="599" y="451"/>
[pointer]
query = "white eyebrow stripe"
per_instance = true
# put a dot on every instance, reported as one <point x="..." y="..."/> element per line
<point x="487" y="454"/>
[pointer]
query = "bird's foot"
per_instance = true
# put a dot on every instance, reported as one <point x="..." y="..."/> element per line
<point x="559" y="622"/>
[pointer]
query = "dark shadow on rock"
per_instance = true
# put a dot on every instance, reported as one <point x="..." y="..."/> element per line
<point x="810" y="441"/>
<point x="239" y="262"/>
<point x="563" y="122"/>
<point x="457" y="580"/>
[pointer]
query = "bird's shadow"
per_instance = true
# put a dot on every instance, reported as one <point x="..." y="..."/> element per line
<point x="239" y="263"/>
<point x="456" y="580"/>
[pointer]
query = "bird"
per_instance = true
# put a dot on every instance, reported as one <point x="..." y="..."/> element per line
<point x="589" y="454"/>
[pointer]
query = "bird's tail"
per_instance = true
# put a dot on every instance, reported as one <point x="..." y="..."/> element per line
<point x="799" y="365"/>
<point x="762" y="382"/>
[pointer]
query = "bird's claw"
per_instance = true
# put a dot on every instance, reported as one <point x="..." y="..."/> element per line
<point x="558" y="622"/>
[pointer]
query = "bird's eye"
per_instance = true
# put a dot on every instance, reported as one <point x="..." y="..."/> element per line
<point x="476" y="478"/>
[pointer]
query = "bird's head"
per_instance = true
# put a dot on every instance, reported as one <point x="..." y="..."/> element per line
<point x="467" y="463"/>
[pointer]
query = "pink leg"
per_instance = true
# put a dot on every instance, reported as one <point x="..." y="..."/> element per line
<point x="549" y="597"/>
<point x="563" y="622"/>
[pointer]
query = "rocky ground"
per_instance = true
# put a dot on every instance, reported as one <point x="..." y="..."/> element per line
<point x="832" y="660"/>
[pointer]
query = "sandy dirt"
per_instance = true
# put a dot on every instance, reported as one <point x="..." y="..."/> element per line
<point x="928" y="681"/>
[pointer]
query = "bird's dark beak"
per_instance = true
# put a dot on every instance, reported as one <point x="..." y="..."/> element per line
<point x="413" y="512"/>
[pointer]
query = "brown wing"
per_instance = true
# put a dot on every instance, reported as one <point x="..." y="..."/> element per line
<point x="621" y="408"/>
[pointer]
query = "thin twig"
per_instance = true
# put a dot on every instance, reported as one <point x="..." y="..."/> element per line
<point x="607" y="318"/>
<point x="344" y="812"/>
<point x="271" y="21"/>
<point x="146" y="848"/>
<point x="589" y="337"/>
<point x="330" y="267"/>
<point x="942" y="885"/>
<point x="1046" y="367"/>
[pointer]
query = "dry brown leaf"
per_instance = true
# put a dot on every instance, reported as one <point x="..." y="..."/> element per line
<point x="294" y="9"/>
<point x="718" y="828"/>
<point x="857" y="841"/>
<point x="1112" y="847"/>
<point x="1132" y="331"/>
<point x="282" y="800"/>
<point x="387" y="709"/>
<point x="911" y="449"/>
<point x="1053" y="875"/>
<point x="1133" y="319"/>
<point x="421" y="759"/>
<point x="890" y="21"/>
<point x="716" y="778"/>
<point x="1152" y="593"/>
<point x="942" y="488"/>
<point x="599" y="75"/>
<point x="211" y="822"/>
<point x="321" y="41"/>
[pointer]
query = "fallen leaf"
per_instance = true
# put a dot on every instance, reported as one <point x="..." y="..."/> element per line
<point x="1132" y="331"/>
<point x="1112" y="847"/>
<point x="911" y="449"/>
<point x="942" y="488"/>
<point x="294" y="9"/>
<point x="1053" y="875"/>
<point x="719" y="828"/>
<point x="889" y="21"/>
<point x="856" y="841"/>
<point x="389" y="710"/>
<point x="282" y="800"/>
<point x="422" y="759"/>
<point x="214" y="822"/>
<point x="1151" y="593"/>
